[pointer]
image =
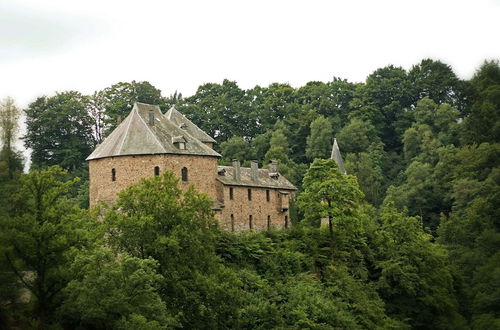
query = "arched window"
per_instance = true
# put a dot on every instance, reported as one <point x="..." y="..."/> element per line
<point x="157" y="170"/>
<point x="184" y="174"/>
<point x="113" y="174"/>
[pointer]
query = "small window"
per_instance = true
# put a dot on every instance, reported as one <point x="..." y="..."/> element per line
<point x="268" y="195"/>
<point x="249" y="194"/>
<point x="286" y="221"/>
<point x="113" y="175"/>
<point x="157" y="170"/>
<point x="250" y="222"/>
<point x="231" y="193"/>
<point x="268" y="222"/>
<point x="182" y="145"/>
<point x="184" y="174"/>
<point x="232" y="223"/>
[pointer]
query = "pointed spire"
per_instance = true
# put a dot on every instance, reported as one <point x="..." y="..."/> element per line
<point x="338" y="157"/>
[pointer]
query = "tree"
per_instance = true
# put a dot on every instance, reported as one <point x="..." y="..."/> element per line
<point x="383" y="100"/>
<point x="236" y="148"/>
<point x="483" y="122"/>
<point x="39" y="238"/>
<point x="111" y="291"/>
<point x="319" y="142"/>
<point x="59" y="131"/>
<point x="412" y="275"/>
<point x="221" y="110"/>
<point x="328" y="193"/>
<point x="156" y="219"/>
<point x="9" y="129"/>
<point x="435" y="80"/>
<point x="357" y="136"/>
<point x="114" y="103"/>
<point x="279" y="150"/>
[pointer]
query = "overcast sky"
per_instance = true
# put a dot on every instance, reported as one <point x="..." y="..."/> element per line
<point x="48" y="46"/>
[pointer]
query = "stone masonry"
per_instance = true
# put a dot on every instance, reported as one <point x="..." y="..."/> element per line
<point x="148" y="143"/>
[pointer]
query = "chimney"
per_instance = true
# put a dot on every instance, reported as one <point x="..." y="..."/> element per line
<point x="236" y="166"/>
<point x="254" y="169"/>
<point x="273" y="166"/>
<point x="151" y="118"/>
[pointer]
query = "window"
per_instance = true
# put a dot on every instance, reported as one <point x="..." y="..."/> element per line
<point x="157" y="170"/>
<point x="268" y="195"/>
<point x="250" y="222"/>
<point x="268" y="222"/>
<point x="232" y="222"/>
<point x="113" y="175"/>
<point x="286" y="221"/>
<point x="231" y="193"/>
<point x="184" y="174"/>
<point x="249" y="194"/>
<point x="182" y="145"/>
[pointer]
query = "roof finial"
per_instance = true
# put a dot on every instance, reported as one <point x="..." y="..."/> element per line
<point x="338" y="157"/>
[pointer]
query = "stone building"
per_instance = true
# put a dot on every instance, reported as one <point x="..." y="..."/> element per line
<point x="148" y="143"/>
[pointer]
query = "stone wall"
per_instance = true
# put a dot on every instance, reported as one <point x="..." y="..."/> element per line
<point x="236" y="212"/>
<point x="130" y="169"/>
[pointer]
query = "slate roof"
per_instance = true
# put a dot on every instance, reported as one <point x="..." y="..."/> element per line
<point x="182" y="122"/>
<point x="338" y="157"/>
<point x="264" y="179"/>
<point x="137" y="136"/>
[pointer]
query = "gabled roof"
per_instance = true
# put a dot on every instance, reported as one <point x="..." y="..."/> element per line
<point x="182" y="122"/>
<point x="264" y="180"/>
<point x="338" y="157"/>
<point x="136" y="135"/>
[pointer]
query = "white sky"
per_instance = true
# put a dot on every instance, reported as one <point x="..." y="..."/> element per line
<point x="48" y="46"/>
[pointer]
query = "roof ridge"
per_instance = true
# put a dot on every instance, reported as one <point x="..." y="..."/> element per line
<point x="126" y="130"/>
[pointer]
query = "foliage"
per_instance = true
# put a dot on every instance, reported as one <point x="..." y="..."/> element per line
<point x="59" y="131"/>
<point x="39" y="237"/>
<point x="155" y="219"/>
<point x="319" y="143"/>
<point x="114" y="291"/>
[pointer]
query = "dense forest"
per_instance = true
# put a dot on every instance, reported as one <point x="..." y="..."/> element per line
<point x="413" y="240"/>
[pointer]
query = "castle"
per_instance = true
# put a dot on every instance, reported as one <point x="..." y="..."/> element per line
<point x="149" y="142"/>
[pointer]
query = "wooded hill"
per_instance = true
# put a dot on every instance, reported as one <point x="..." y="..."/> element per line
<point x="414" y="237"/>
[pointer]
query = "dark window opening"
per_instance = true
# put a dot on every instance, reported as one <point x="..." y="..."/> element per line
<point x="249" y="194"/>
<point x="157" y="170"/>
<point x="231" y="193"/>
<point x="232" y="222"/>
<point x="268" y="196"/>
<point x="286" y="221"/>
<point x="250" y="221"/>
<point x="113" y="175"/>
<point x="268" y="222"/>
<point x="184" y="174"/>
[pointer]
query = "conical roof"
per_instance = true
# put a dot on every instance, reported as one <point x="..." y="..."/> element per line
<point x="182" y="122"/>
<point x="147" y="131"/>
<point x="338" y="157"/>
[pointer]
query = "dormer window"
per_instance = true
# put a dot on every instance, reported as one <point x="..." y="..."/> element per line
<point x="179" y="142"/>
